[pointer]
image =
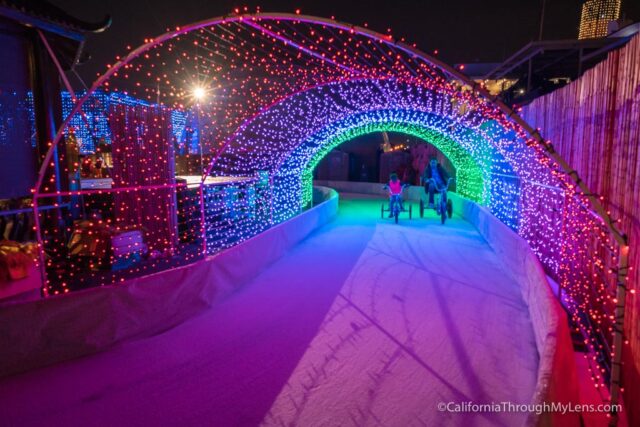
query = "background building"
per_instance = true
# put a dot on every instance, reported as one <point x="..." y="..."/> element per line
<point x="542" y="66"/>
<point x="596" y="16"/>
<point x="32" y="34"/>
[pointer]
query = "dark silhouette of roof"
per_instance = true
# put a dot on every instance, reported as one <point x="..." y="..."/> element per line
<point x="543" y="66"/>
<point x="45" y="16"/>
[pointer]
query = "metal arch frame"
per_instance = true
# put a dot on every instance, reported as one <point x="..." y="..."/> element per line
<point x="600" y="211"/>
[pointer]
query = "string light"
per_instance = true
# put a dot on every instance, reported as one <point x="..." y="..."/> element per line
<point x="288" y="90"/>
<point x="596" y="16"/>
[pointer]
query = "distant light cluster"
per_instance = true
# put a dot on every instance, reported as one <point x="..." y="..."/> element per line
<point x="596" y="16"/>
<point x="93" y="129"/>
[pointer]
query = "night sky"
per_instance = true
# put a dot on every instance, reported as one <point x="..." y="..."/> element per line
<point x="462" y="30"/>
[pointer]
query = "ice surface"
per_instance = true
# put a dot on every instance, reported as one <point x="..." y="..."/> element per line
<point x="365" y="323"/>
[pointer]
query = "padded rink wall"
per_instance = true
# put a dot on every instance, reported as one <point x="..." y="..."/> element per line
<point x="557" y="380"/>
<point x="557" y="377"/>
<point x="39" y="333"/>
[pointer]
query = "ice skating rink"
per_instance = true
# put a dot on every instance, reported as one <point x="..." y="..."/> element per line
<point x="365" y="323"/>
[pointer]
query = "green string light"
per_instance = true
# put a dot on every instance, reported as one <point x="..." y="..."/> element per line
<point x="472" y="181"/>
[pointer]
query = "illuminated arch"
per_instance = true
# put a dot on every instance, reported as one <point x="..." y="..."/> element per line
<point x="285" y="139"/>
<point x="259" y="64"/>
<point x="338" y="52"/>
<point x="434" y="69"/>
<point x="472" y="181"/>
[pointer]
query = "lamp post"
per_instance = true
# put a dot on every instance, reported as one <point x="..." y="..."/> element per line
<point x="199" y="94"/>
<point x="544" y="3"/>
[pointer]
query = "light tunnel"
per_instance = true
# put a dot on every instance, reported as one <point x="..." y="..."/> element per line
<point x="268" y="95"/>
<point x="290" y="138"/>
<point x="296" y="172"/>
<point x="473" y="183"/>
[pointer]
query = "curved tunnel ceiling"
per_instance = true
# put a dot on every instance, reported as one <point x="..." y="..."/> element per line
<point x="269" y="87"/>
<point x="287" y="138"/>
<point x="245" y="65"/>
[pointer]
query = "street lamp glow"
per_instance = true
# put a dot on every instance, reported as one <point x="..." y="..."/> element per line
<point x="199" y="93"/>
